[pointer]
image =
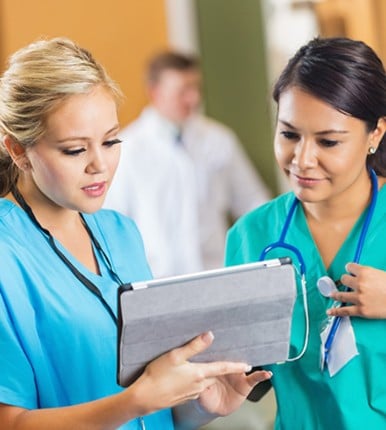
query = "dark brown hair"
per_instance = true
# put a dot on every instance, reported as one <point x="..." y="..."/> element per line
<point x="348" y="75"/>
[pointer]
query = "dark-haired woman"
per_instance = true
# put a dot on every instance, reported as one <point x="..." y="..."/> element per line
<point x="330" y="143"/>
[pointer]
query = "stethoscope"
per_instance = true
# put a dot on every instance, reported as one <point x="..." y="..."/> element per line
<point x="325" y="284"/>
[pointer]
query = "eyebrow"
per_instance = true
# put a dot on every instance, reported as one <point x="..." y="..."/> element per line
<point x="71" y="138"/>
<point x="318" y="133"/>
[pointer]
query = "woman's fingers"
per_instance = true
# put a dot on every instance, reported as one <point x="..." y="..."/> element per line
<point x="208" y="370"/>
<point x="353" y="268"/>
<point x="258" y="376"/>
<point x="345" y="297"/>
<point x="221" y="368"/>
<point x="346" y="311"/>
<point x="194" y="347"/>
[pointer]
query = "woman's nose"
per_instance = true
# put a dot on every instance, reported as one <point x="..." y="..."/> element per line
<point x="96" y="162"/>
<point x="305" y="155"/>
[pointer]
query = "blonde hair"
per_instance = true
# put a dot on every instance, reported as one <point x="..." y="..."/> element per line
<point x="39" y="77"/>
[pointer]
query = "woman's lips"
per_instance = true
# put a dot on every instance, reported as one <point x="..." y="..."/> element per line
<point x="95" y="190"/>
<point x="306" y="181"/>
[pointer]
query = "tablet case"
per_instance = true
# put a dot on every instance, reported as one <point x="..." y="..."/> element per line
<point x="247" y="307"/>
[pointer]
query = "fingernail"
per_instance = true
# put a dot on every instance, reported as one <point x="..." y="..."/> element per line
<point x="207" y="337"/>
<point x="248" y="368"/>
<point x="270" y="373"/>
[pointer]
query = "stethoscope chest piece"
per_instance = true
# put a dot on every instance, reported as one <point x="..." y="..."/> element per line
<point x="326" y="286"/>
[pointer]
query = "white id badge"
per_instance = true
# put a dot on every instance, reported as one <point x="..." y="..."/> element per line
<point x="343" y="347"/>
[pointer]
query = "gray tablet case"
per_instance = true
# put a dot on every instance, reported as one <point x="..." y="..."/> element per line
<point x="248" y="308"/>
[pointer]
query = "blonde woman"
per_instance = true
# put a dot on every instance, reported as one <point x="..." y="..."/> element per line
<point x="62" y="260"/>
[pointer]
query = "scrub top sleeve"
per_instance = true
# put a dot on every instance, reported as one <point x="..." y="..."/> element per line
<point x="233" y="256"/>
<point x="17" y="384"/>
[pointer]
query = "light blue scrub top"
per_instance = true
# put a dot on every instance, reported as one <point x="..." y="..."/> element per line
<point x="57" y="342"/>
<point x="308" y="398"/>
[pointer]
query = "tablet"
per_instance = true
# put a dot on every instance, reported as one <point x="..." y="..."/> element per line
<point x="247" y="307"/>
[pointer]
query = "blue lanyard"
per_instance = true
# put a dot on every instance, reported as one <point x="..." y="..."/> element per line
<point x="86" y="282"/>
<point x="82" y="278"/>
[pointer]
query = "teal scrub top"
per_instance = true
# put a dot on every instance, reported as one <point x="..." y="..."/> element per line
<point x="307" y="397"/>
<point x="58" y="344"/>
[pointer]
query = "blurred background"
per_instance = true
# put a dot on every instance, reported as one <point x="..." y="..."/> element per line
<point x="242" y="44"/>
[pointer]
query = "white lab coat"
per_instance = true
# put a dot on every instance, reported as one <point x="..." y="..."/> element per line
<point x="182" y="195"/>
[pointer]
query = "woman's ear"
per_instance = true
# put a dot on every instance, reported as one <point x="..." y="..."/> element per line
<point x="17" y="152"/>
<point x="377" y="134"/>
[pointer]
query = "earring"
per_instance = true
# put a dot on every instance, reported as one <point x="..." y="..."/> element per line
<point x="26" y="165"/>
<point x="372" y="150"/>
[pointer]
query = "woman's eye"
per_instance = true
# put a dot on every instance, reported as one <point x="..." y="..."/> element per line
<point x="73" y="151"/>
<point x="290" y="135"/>
<point x="328" y="142"/>
<point x="112" y="142"/>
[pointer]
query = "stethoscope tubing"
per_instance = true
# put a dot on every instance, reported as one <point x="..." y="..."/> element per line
<point x="281" y="243"/>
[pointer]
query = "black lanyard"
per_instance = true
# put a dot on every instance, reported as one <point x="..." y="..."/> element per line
<point x="85" y="281"/>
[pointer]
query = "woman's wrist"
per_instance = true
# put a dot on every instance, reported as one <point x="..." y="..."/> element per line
<point x="137" y="396"/>
<point x="191" y="416"/>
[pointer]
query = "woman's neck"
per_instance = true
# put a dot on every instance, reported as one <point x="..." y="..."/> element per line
<point x="330" y="222"/>
<point x="65" y="225"/>
<point x="50" y="215"/>
<point x="349" y="204"/>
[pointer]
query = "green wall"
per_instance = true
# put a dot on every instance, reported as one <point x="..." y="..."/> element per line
<point x="236" y="89"/>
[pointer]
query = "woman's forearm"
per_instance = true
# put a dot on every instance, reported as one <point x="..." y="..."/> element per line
<point x="104" y="414"/>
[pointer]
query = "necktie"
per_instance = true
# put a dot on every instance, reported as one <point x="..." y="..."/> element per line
<point x="178" y="138"/>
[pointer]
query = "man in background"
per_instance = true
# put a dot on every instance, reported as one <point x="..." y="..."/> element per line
<point x="182" y="176"/>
